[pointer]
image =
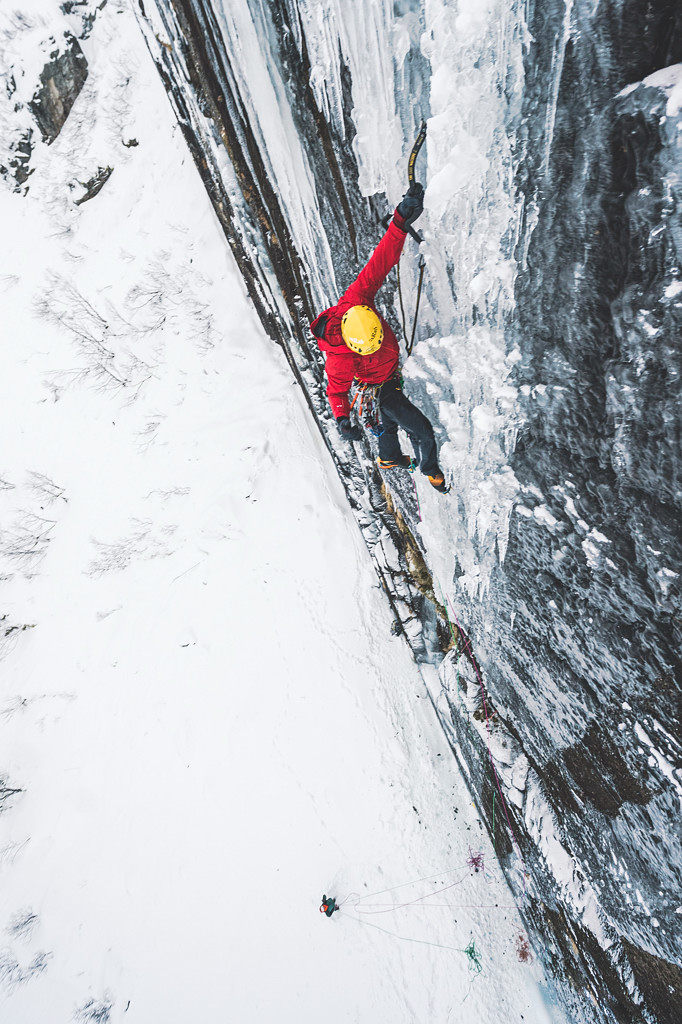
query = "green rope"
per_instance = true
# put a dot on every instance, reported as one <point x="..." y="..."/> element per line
<point x="475" y="965"/>
<point x="472" y="954"/>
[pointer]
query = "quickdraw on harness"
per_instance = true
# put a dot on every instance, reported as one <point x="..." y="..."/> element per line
<point x="409" y="345"/>
<point x="367" y="398"/>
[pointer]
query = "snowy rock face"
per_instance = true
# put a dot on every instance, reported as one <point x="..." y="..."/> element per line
<point x="41" y="73"/>
<point x="61" y="80"/>
<point x="548" y="358"/>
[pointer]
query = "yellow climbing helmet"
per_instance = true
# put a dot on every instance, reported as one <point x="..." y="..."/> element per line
<point x="361" y="330"/>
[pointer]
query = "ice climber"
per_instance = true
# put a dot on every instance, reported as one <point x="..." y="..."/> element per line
<point x="361" y="346"/>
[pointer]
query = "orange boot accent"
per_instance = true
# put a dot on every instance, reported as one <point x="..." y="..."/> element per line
<point x="402" y="462"/>
<point x="438" y="481"/>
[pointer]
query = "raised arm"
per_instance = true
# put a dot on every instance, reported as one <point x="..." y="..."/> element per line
<point x="383" y="259"/>
<point x="387" y="253"/>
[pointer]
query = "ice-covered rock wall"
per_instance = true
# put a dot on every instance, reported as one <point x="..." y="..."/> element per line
<point x="586" y="606"/>
<point x="548" y="357"/>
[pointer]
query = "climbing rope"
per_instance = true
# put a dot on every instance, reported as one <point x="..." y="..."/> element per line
<point x="402" y="885"/>
<point x="475" y="863"/>
<point x="475" y="964"/>
<point x="409" y="345"/>
<point x="410" y="903"/>
<point x="408" y="938"/>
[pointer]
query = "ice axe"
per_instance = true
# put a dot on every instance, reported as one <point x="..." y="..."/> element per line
<point x="418" y="143"/>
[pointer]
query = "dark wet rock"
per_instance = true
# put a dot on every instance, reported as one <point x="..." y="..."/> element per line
<point x="20" y="155"/>
<point x="94" y="185"/>
<point x="61" y="82"/>
<point x="660" y="981"/>
<point x="600" y="773"/>
<point x="19" y="144"/>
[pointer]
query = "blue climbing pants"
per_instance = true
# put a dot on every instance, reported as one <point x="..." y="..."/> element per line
<point x="396" y="410"/>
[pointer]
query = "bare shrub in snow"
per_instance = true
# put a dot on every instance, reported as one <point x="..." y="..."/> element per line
<point x="15" y="704"/>
<point x="18" y="704"/>
<point x="24" y="544"/>
<point x="118" y="105"/>
<point x="9" y="634"/>
<point x="8" y="852"/>
<point x="95" y="338"/>
<point x="62" y="304"/>
<point x="95" y="1011"/>
<point x="6" y="792"/>
<point x="102" y="373"/>
<point x="138" y="544"/>
<point x="13" y="974"/>
<point x="174" y="492"/>
<point x="46" y="490"/>
<point x="22" y="924"/>
<point x="164" y="297"/>
<point x="147" y="434"/>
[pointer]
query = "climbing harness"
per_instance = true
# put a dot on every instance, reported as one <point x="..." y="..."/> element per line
<point x="367" y="399"/>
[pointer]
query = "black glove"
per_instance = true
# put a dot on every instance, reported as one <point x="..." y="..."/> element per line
<point x="347" y="430"/>
<point x="412" y="204"/>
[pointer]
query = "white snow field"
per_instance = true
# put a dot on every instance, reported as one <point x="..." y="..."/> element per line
<point x="202" y="706"/>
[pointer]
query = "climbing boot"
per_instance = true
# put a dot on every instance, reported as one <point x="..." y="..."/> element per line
<point x="402" y="462"/>
<point x="438" y="481"/>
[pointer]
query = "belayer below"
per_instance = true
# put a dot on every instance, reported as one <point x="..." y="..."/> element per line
<point x="360" y="344"/>
<point x="328" y="905"/>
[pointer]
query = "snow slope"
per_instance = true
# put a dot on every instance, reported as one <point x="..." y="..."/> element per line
<point x="201" y="704"/>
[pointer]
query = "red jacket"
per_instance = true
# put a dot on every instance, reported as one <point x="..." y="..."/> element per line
<point x="342" y="365"/>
